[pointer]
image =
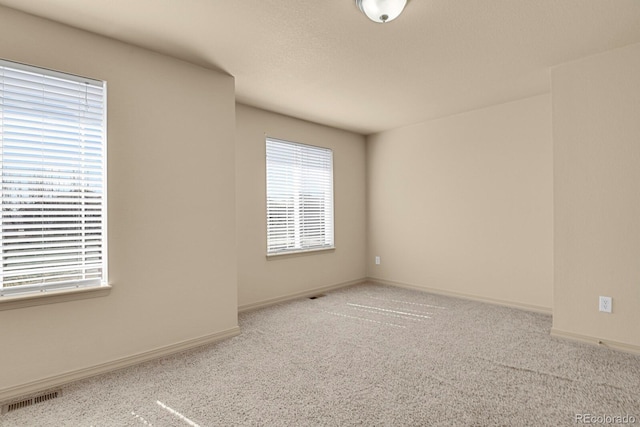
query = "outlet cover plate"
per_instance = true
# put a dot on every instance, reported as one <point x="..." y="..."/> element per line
<point x="605" y="304"/>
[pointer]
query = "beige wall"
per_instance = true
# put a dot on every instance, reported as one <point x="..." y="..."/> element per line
<point x="596" y="131"/>
<point x="171" y="208"/>
<point x="260" y="279"/>
<point x="463" y="204"/>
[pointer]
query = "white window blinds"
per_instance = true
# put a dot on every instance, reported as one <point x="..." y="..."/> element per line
<point x="53" y="189"/>
<point x="299" y="197"/>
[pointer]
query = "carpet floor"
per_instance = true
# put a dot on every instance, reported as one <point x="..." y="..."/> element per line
<point x="365" y="355"/>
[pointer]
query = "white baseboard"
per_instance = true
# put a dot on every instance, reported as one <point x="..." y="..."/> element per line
<point x="520" y="306"/>
<point x="614" y="345"/>
<point x="296" y="295"/>
<point x="11" y="393"/>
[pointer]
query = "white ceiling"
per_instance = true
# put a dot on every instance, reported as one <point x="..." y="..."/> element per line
<point x="324" y="61"/>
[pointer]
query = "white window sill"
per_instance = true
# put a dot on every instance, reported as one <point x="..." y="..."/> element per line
<point x="287" y="254"/>
<point x="10" y="302"/>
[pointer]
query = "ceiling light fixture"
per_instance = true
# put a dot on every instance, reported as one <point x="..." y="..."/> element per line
<point x="381" y="11"/>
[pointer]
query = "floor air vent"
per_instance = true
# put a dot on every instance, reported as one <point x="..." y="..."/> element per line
<point x="10" y="407"/>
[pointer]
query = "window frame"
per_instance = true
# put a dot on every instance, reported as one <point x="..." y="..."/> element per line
<point x="64" y="290"/>
<point x="329" y="229"/>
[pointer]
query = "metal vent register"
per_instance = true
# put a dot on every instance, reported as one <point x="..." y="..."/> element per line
<point x="10" y="407"/>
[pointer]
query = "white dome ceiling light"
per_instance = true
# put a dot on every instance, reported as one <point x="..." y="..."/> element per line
<point x="381" y="11"/>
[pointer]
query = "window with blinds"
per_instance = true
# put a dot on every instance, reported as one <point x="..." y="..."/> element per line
<point x="299" y="197"/>
<point x="53" y="170"/>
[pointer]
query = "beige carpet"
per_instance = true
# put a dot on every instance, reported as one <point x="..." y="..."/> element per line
<point x="366" y="355"/>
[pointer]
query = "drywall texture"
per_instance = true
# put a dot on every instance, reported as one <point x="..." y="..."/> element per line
<point x="261" y="279"/>
<point x="463" y="204"/>
<point x="596" y="132"/>
<point x="171" y="207"/>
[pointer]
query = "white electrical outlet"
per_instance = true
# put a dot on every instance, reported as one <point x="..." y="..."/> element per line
<point x="605" y="304"/>
<point x="377" y="260"/>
